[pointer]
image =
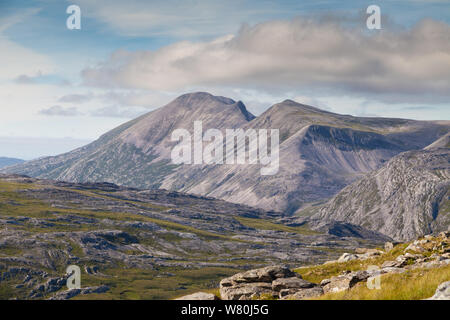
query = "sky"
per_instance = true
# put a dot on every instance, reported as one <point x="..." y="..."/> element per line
<point x="62" y="88"/>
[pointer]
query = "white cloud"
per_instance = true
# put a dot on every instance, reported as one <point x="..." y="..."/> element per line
<point x="16" y="60"/>
<point x="287" y="55"/>
<point x="60" y="111"/>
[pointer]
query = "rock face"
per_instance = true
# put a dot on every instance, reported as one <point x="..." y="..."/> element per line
<point x="442" y="292"/>
<point x="320" y="152"/>
<point x="268" y="282"/>
<point x="405" y="199"/>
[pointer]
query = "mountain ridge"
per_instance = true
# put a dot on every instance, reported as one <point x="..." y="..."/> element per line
<point x="406" y="198"/>
<point x="320" y="152"/>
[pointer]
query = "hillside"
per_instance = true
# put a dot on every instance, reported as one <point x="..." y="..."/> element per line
<point x="320" y="152"/>
<point x="4" y="161"/>
<point x="406" y="198"/>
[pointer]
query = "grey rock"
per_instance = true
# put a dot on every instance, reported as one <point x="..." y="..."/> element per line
<point x="267" y="274"/>
<point x="247" y="291"/>
<point x="388" y="246"/>
<point x="299" y="294"/>
<point x="442" y="292"/>
<point x="344" y="282"/>
<point x="347" y="257"/>
<point x="403" y="200"/>
<point x="291" y="283"/>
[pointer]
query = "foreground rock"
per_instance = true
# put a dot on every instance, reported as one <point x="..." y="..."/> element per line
<point x="344" y="282"/>
<point x="266" y="283"/>
<point x="277" y="282"/>
<point x="442" y="292"/>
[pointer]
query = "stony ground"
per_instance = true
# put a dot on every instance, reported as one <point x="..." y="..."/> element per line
<point x="133" y="244"/>
<point x="416" y="270"/>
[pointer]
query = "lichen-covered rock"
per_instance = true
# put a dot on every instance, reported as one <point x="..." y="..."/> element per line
<point x="273" y="281"/>
<point x="267" y="274"/>
<point x="247" y="291"/>
<point x="298" y="294"/>
<point x="347" y="257"/>
<point x="345" y="282"/>
<point x="291" y="283"/>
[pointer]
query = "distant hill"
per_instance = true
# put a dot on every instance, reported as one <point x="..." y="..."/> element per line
<point x="4" y="162"/>
<point x="320" y="152"/>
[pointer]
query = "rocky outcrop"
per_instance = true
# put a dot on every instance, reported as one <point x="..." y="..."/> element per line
<point x="442" y="292"/>
<point x="268" y="282"/>
<point x="344" y="282"/>
<point x="277" y="282"/>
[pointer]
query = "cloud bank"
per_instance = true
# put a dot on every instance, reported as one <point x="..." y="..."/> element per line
<point x="398" y="64"/>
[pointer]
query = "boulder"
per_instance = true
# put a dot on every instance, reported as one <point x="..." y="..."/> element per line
<point x="247" y="291"/>
<point x="345" y="282"/>
<point x="442" y="292"/>
<point x="347" y="257"/>
<point x="274" y="281"/>
<point x="288" y="294"/>
<point x="199" y="296"/>
<point x="267" y="274"/>
<point x="444" y="235"/>
<point x="291" y="283"/>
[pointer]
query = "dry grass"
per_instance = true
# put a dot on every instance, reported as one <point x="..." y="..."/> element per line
<point x="412" y="285"/>
<point x="318" y="273"/>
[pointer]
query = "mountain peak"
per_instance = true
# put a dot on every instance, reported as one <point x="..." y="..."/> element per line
<point x="196" y="97"/>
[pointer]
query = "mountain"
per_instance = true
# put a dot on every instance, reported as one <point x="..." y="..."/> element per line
<point x="320" y="152"/>
<point x="406" y="198"/>
<point x="4" y="162"/>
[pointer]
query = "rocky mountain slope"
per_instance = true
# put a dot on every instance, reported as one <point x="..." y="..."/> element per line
<point x="4" y="161"/>
<point x="320" y="152"/>
<point x="406" y="198"/>
<point x="140" y="244"/>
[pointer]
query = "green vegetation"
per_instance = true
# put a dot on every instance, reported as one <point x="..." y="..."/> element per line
<point x="163" y="283"/>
